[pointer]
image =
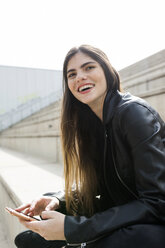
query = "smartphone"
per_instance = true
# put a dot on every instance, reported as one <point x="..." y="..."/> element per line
<point x="21" y="215"/>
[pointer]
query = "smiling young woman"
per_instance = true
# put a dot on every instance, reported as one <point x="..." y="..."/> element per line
<point x="114" y="165"/>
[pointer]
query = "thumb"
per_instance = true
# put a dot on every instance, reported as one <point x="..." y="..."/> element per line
<point x="47" y="215"/>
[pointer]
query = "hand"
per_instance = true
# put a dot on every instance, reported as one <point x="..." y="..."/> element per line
<point x="51" y="228"/>
<point x="36" y="207"/>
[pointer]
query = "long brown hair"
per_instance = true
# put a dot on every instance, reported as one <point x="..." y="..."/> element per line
<point x="80" y="127"/>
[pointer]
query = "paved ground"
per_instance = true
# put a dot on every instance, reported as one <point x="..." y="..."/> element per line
<point x="3" y="238"/>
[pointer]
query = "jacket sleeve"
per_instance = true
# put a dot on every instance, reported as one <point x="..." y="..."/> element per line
<point x="143" y="130"/>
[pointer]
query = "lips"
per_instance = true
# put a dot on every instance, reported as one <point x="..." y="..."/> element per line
<point x="85" y="87"/>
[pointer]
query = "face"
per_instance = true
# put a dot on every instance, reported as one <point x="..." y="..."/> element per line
<point x="86" y="80"/>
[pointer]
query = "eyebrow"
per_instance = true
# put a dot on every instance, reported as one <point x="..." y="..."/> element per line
<point x="83" y="65"/>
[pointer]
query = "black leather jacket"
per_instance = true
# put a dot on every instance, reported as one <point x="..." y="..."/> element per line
<point x="135" y="139"/>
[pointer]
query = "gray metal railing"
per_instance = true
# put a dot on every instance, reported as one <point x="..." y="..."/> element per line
<point x="24" y="110"/>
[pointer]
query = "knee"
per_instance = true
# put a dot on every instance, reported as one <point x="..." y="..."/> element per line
<point x="22" y="240"/>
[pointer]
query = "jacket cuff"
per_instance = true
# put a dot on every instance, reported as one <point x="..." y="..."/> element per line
<point x="60" y="195"/>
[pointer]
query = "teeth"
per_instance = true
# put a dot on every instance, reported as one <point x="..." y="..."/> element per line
<point x="85" y="87"/>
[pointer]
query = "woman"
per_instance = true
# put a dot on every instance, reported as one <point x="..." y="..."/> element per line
<point x="114" y="164"/>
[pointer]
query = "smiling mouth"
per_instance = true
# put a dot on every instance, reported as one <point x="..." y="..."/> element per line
<point x="85" y="87"/>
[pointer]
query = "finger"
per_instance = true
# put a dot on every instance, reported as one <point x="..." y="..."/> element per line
<point x="27" y="211"/>
<point x="51" y="206"/>
<point x="23" y="207"/>
<point x="35" y="205"/>
<point x="31" y="214"/>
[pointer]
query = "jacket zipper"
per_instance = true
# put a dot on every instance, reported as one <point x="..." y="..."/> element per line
<point x="78" y="245"/>
<point x="105" y="150"/>
<point x="87" y="242"/>
<point x="83" y="244"/>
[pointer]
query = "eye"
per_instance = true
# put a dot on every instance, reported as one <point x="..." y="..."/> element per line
<point x="90" y="67"/>
<point x="71" y="75"/>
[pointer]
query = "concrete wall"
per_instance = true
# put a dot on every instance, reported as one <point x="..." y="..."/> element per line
<point x="146" y="79"/>
<point x="39" y="135"/>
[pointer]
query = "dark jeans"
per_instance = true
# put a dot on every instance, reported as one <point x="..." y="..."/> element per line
<point x="134" y="236"/>
<point x="29" y="239"/>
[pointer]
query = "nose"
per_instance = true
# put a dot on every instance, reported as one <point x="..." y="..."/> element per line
<point x="80" y="76"/>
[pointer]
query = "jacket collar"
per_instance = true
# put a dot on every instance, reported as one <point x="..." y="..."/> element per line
<point x="110" y="103"/>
